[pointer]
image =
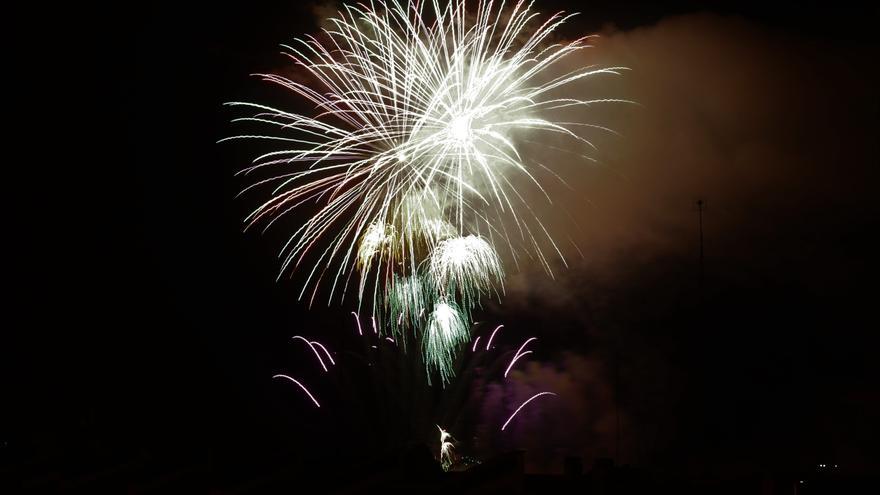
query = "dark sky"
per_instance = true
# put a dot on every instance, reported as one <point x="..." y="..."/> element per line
<point x="151" y="324"/>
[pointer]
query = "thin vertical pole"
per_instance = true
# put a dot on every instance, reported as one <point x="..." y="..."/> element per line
<point x="617" y="401"/>
<point x="700" y="205"/>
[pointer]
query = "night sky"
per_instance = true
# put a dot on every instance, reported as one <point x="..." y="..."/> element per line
<point x="150" y="325"/>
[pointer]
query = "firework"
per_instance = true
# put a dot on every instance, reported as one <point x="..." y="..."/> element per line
<point x="519" y="354"/>
<point x="492" y="337"/>
<point x="376" y="241"/>
<point x="407" y="297"/>
<point x="316" y="343"/>
<point x="314" y="350"/>
<point x="411" y="167"/>
<point x="522" y="406"/>
<point x="395" y="401"/>
<point x="445" y="333"/>
<point x="303" y="387"/>
<point x="446" y="449"/>
<point x="464" y="266"/>
<point x="358" y="320"/>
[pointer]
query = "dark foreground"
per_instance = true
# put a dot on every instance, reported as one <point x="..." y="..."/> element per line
<point x="414" y="470"/>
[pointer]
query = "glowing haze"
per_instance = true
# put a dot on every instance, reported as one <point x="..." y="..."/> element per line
<point x="411" y="168"/>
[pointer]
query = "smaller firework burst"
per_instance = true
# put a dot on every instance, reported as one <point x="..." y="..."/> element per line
<point x="447" y="449"/>
<point x="465" y="266"/>
<point x="446" y="332"/>
<point x="378" y="238"/>
<point x="406" y="301"/>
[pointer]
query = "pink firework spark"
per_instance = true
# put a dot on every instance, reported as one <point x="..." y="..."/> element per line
<point x="315" y="342"/>
<point x="513" y="361"/>
<point x="489" y="344"/>
<point x="519" y="354"/>
<point x="523" y="405"/>
<point x="358" y="320"/>
<point x="317" y="354"/>
<point x="300" y="386"/>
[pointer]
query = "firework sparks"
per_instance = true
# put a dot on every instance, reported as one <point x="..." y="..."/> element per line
<point x="314" y="342"/>
<point x="411" y="162"/>
<point x="445" y="333"/>
<point x="491" y="337"/>
<point x="466" y="265"/>
<point x="303" y="387"/>
<point x="519" y="354"/>
<point x="447" y="449"/>
<point x="376" y="240"/>
<point x="514" y="360"/>
<point x="358" y="320"/>
<point x="407" y="296"/>
<point x="523" y="405"/>
<point x="314" y="350"/>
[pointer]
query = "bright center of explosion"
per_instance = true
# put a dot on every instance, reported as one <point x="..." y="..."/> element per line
<point x="460" y="129"/>
<point x="446" y="319"/>
<point x="457" y="251"/>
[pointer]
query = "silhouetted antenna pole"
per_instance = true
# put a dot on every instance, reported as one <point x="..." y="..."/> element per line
<point x="617" y="404"/>
<point x="701" y="205"/>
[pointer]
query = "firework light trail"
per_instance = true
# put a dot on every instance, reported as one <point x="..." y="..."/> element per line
<point x="410" y="170"/>
<point x="303" y="387"/>
<point x="311" y="345"/>
<point x="314" y="342"/>
<point x="461" y="392"/>
<point x="519" y="354"/>
<point x="523" y="405"/>
<point x="358" y="320"/>
<point x="492" y="337"/>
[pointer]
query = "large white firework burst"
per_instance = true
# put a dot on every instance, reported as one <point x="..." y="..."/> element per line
<point x="413" y="141"/>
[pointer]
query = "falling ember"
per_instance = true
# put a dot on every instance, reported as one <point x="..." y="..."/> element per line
<point x="519" y="354"/>
<point x="312" y="347"/>
<point x="514" y="360"/>
<point x="313" y="342"/>
<point x="523" y="405"/>
<point x="300" y="386"/>
<point x="358" y="320"/>
<point x="488" y="344"/>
